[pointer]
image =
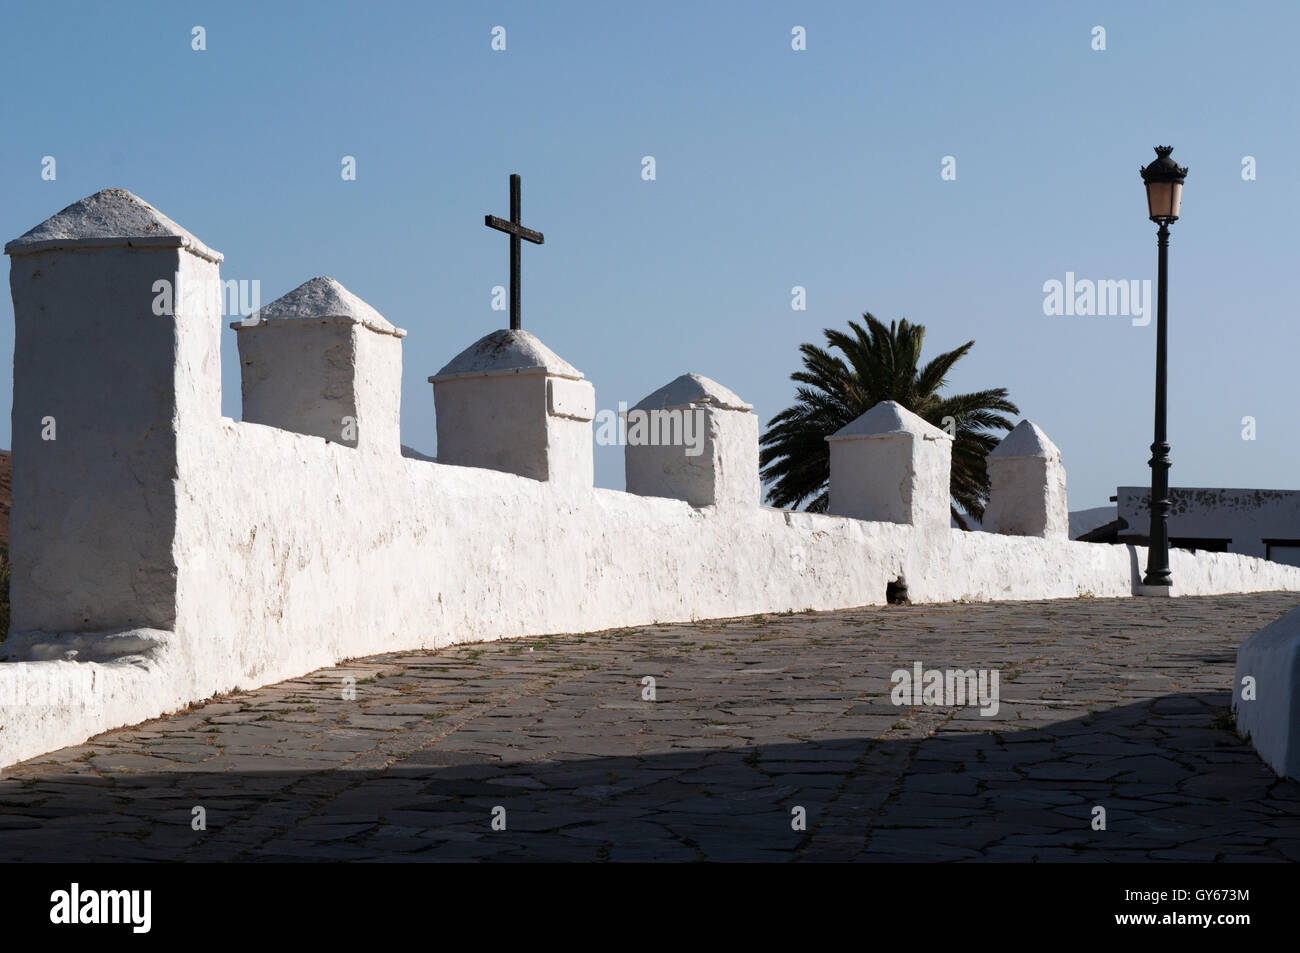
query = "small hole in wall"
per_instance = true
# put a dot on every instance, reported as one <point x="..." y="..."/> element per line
<point x="896" y="592"/>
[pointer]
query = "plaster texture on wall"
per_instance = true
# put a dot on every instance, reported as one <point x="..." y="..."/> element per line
<point x="225" y="554"/>
<point x="1271" y="720"/>
<point x="568" y="398"/>
<point x="47" y="705"/>
<point x="704" y="447"/>
<point x="94" y="511"/>
<point x="1027" y="495"/>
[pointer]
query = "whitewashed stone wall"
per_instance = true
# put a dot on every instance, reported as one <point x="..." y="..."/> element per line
<point x="1266" y="693"/>
<point x="277" y="553"/>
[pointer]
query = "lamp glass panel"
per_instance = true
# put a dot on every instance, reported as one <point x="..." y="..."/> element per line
<point x="1159" y="199"/>
<point x="1176" y="198"/>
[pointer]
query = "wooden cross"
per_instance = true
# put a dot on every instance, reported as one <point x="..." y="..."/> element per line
<point x="516" y="232"/>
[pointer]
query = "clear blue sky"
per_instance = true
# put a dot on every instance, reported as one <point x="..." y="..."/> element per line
<point x="775" y="168"/>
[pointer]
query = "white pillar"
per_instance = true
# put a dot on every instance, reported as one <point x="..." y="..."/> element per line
<point x="321" y="361"/>
<point x="508" y="402"/>
<point x="117" y="323"/>
<point x="1027" y="486"/>
<point x="891" y="466"/>
<point x="693" y="440"/>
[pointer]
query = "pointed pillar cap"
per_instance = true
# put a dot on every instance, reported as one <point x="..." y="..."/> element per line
<point x="1026" y="440"/>
<point x="507" y="352"/>
<point x="887" y="418"/>
<point x="109" y="218"/>
<point x="321" y="300"/>
<point x="691" y="390"/>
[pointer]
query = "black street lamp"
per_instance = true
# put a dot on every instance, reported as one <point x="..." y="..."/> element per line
<point x="1164" y="183"/>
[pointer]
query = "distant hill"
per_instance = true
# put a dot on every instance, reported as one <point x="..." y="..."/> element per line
<point x="1083" y="521"/>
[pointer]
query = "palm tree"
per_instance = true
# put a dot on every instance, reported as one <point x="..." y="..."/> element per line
<point x="881" y="365"/>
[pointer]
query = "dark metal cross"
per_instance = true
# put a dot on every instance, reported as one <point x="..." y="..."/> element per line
<point x="516" y="232"/>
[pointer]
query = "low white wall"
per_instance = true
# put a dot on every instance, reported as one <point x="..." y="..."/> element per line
<point x="45" y="705"/>
<point x="1268" y="706"/>
<point x="294" y="554"/>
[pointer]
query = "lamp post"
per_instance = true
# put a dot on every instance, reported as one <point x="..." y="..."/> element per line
<point x="1164" y="183"/>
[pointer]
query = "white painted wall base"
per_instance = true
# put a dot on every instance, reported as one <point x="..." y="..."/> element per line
<point x="365" y="553"/>
<point x="1155" y="592"/>
<point x="1271" y="720"/>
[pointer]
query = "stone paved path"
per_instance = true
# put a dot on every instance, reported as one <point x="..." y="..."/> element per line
<point x="1117" y="703"/>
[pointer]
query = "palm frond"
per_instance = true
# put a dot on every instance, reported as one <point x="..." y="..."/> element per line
<point x="874" y="363"/>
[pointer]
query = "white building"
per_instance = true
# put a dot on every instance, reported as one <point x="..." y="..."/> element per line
<point x="1264" y="523"/>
